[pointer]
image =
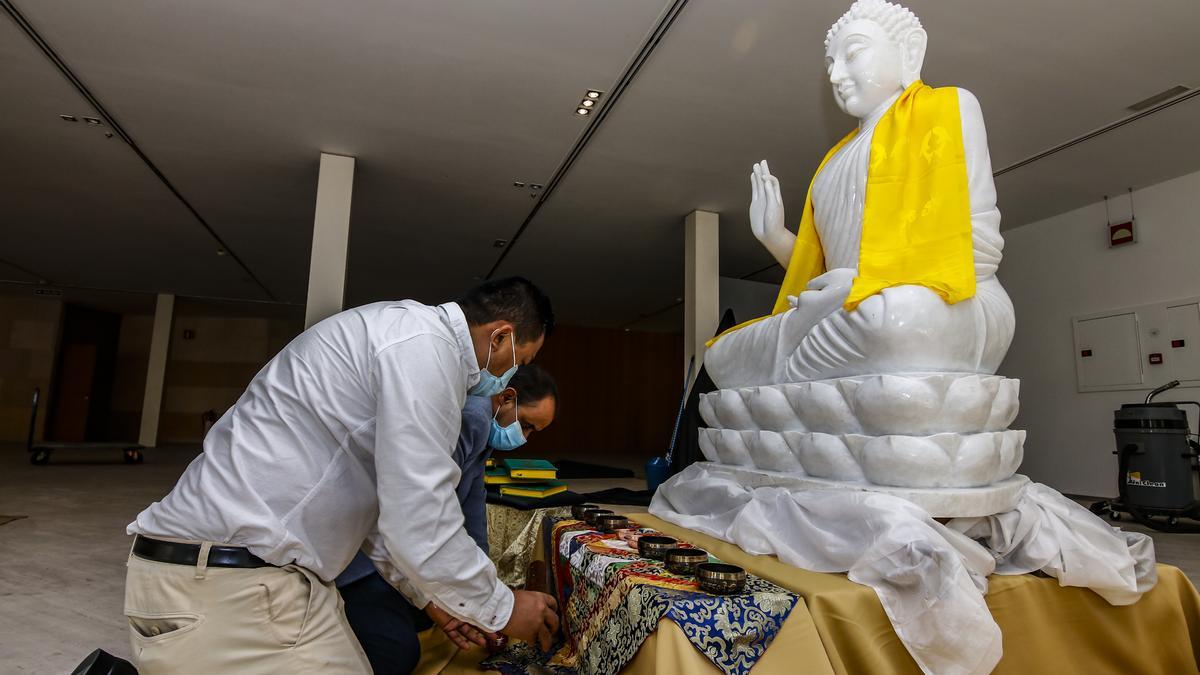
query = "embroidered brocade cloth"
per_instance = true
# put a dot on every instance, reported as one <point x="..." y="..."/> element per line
<point x="612" y="599"/>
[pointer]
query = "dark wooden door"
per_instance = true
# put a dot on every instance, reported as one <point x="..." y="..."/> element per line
<point x="73" y="400"/>
<point x="79" y="408"/>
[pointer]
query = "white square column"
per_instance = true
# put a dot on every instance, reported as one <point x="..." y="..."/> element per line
<point x="156" y="370"/>
<point x="331" y="239"/>
<point x="702" y="286"/>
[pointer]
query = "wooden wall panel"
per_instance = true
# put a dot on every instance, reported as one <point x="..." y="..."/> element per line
<point x="29" y="332"/>
<point x="618" y="393"/>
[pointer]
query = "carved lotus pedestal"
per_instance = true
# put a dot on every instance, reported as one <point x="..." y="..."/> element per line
<point x="939" y="440"/>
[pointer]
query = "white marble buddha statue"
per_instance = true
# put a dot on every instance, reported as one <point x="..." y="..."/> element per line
<point x="893" y="266"/>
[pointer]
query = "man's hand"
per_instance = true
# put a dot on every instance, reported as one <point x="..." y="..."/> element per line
<point x="461" y="633"/>
<point x="534" y="619"/>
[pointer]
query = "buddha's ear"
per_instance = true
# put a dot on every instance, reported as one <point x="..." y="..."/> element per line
<point x="912" y="53"/>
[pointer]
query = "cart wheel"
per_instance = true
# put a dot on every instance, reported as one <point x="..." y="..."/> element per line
<point x="133" y="456"/>
<point x="1114" y="515"/>
<point x="40" y="458"/>
<point x="1172" y="521"/>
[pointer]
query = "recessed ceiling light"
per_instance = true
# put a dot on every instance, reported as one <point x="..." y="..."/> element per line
<point x="518" y="183"/>
<point x="222" y="251"/>
<point x="535" y="186"/>
<point x="68" y="118"/>
<point x="587" y="103"/>
<point x="592" y="93"/>
<point x="582" y="112"/>
<point x="500" y="243"/>
<point x="93" y="121"/>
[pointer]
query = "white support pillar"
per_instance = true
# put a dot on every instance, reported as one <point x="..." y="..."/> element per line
<point x="702" y="287"/>
<point x="331" y="237"/>
<point x="160" y="344"/>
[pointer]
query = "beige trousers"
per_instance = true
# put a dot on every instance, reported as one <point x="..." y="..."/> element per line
<point x="197" y="619"/>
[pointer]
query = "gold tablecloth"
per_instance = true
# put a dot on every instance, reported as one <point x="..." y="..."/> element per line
<point x="513" y="536"/>
<point x="840" y="627"/>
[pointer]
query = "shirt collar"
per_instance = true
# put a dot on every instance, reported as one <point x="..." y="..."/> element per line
<point x="462" y="335"/>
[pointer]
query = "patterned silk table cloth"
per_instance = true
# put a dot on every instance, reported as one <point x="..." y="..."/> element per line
<point x="612" y="599"/>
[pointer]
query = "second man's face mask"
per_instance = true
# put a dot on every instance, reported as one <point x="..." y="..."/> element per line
<point x="508" y="437"/>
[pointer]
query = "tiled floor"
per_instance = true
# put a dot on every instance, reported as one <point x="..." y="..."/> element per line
<point x="62" y="568"/>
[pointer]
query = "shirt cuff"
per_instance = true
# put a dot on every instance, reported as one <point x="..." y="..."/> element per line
<point x="491" y="616"/>
<point x="498" y="609"/>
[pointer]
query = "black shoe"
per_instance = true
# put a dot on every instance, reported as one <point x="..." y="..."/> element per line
<point x="101" y="662"/>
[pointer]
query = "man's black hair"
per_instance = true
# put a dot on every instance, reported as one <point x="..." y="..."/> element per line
<point x="514" y="299"/>
<point x="533" y="384"/>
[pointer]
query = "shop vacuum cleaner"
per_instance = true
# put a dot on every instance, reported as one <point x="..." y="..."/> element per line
<point x="1158" y="479"/>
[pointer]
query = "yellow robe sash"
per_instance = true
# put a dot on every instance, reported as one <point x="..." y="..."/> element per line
<point x="917" y="209"/>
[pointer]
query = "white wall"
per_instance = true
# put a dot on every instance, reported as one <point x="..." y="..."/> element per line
<point x="1062" y="267"/>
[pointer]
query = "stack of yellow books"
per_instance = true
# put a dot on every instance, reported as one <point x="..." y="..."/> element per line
<point x="533" y="478"/>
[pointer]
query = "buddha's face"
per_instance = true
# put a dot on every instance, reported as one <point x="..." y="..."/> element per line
<point x="866" y="67"/>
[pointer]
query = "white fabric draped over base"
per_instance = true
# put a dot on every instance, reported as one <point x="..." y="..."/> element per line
<point x="930" y="578"/>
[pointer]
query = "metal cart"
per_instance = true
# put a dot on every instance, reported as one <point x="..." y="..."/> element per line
<point x="39" y="453"/>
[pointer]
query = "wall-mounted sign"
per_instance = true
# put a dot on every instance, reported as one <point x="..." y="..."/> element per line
<point x="1120" y="234"/>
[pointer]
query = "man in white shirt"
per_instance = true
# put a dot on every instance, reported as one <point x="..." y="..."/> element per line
<point x="385" y="611"/>
<point x="350" y="427"/>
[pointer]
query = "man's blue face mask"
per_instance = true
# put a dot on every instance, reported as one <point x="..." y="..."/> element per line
<point x="489" y="384"/>
<point x="509" y="437"/>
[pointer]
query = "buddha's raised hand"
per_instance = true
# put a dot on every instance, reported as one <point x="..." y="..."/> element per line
<point x="766" y="214"/>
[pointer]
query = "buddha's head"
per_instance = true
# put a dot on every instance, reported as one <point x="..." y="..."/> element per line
<point x="872" y="53"/>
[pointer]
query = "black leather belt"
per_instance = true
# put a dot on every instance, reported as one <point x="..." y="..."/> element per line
<point x="188" y="554"/>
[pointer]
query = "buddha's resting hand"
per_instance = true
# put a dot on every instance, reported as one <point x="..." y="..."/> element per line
<point x="767" y="216"/>
<point x="826" y="293"/>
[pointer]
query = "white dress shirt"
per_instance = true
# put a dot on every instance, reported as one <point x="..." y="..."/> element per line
<point x="351" y="427"/>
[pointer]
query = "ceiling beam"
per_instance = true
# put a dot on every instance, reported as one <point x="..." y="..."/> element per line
<point x="121" y="132"/>
<point x="1092" y="134"/>
<point x="610" y="99"/>
<point x="41" y="278"/>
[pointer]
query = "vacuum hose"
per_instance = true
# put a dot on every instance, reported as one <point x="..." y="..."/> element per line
<point x="1170" y="385"/>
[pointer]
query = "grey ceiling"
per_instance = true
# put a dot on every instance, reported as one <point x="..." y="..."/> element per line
<point x="444" y="104"/>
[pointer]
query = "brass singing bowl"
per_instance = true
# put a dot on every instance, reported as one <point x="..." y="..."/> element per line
<point x="721" y="578"/>
<point x="611" y="523"/>
<point x="592" y="514"/>
<point x="684" y="561"/>
<point x="654" y="546"/>
<point x="578" y="509"/>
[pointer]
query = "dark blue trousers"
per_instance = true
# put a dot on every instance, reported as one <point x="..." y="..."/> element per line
<point x="385" y="623"/>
